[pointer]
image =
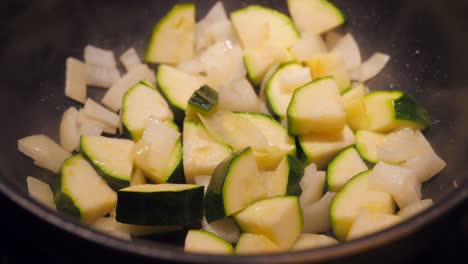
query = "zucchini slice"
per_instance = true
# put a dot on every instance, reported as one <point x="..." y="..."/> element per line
<point x="204" y="100"/>
<point x="356" y="114"/>
<point x="225" y="228"/>
<point x="257" y="25"/>
<point x="308" y="241"/>
<point x="276" y="135"/>
<point x="201" y="152"/>
<point x="160" y="204"/>
<point x="330" y="64"/>
<point x="82" y="192"/>
<point x="370" y="222"/>
<point x="258" y="61"/>
<point x="159" y="152"/>
<point x="111" y="157"/>
<point x="390" y="110"/>
<point x="354" y="196"/>
<point x="198" y="241"/>
<point x="322" y="148"/>
<point x="235" y="184"/>
<point x="342" y="168"/>
<point x="177" y="86"/>
<point x="367" y="143"/>
<point x="249" y="244"/>
<point x="280" y="87"/>
<point x="173" y="39"/>
<point x="278" y="218"/>
<point x="316" y="108"/>
<point x="315" y="16"/>
<point x="139" y="103"/>
<point x="286" y="178"/>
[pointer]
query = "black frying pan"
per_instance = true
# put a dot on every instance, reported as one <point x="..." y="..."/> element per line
<point x="426" y="39"/>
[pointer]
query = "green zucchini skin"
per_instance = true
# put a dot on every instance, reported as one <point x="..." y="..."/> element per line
<point x="204" y="100"/>
<point x="296" y="171"/>
<point x="407" y="108"/>
<point x="66" y="205"/>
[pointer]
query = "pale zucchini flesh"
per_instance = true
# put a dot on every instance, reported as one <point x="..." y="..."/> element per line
<point x="342" y="168"/>
<point x="198" y="241"/>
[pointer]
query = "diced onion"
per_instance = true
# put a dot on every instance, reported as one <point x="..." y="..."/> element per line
<point x="203" y="181"/>
<point x="213" y="28"/>
<point x="225" y="228"/>
<point x="75" y="80"/>
<point x="69" y="132"/>
<point x="415" y="208"/>
<point x="307" y="47"/>
<point x="332" y="38"/>
<point x="370" y="68"/>
<point x="239" y="96"/>
<point x="90" y="126"/>
<point x="130" y="59"/>
<point x="41" y="192"/>
<point x="312" y="185"/>
<point x="101" y="113"/>
<point x="193" y="66"/>
<point x="316" y="215"/>
<point x="101" y="57"/>
<point x="348" y="48"/>
<point x="138" y="178"/>
<point x="44" y="151"/>
<point x="99" y="76"/>
<point x="426" y="165"/>
<point x="402" y="145"/>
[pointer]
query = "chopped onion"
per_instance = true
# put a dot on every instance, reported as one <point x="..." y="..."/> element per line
<point x="370" y="68"/>
<point x="75" y="80"/>
<point x="368" y="222"/>
<point x="332" y="38"/>
<point x="402" y="145"/>
<point x="203" y="181"/>
<point x="90" y="126"/>
<point x="225" y="228"/>
<point x="307" y="47"/>
<point x="100" y="76"/>
<point x="138" y="178"/>
<point x="90" y="129"/>
<point x="101" y="57"/>
<point x="193" y="66"/>
<point x="130" y="59"/>
<point x="41" y="192"/>
<point x="316" y="216"/>
<point x="239" y="96"/>
<point x="426" y="165"/>
<point x="415" y="208"/>
<point x="113" y="98"/>
<point x="396" y="180"/>
<point x="308" y="241"/>
<point x="110" y="226"/>
<point x="69" y="132"/>
<point x="312" y="185"/>
<point x="348" y="48"/>
<point x="101" y="113"/>
<point x="44" y="151"/>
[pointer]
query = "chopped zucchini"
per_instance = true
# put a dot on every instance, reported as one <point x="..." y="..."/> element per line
<point x="322" y="148"/>
<point x="235" y="184"/>
<point x="354" y="196"/>
<point x="315" y="16"/>
<point x="316" y="108"/>
<point x="278" y="218"/>
<point x="250" y="244"/>
<point x="342" y="168"/>
<point x="82" y="192"/>
<point x="353" y="101"/>
<point x="139" y="103"/>
<point x="225" y="228"/>
<point x="198" y="241"/>
<point x="258" y="61"/>
<point x="204" y="100"/>
<point x="159" y="152"/>
<point x="279" y="90"/>
<point x="111" y="157"/>
<point x="330" y="64"/>
<point x="367" y="143"/>
<point x="160" y="204"/>
<point x="286" y="178"/>
<point x="173" y="39"/>
<point x="390" y="110"/>
<point x="177" y="86"/>
<point x="138" y="178"/>
<point x="201" y="152"/>
<point x="370" y="222"/>
<point x="308" y="241"/>
<point x="276" y="135"/>
<point x="257" y="25"/>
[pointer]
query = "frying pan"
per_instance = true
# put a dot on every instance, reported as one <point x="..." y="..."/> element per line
<point x="427" y="42"/>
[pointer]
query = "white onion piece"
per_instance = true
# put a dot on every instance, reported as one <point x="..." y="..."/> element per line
<point x="312" y="185"/>
<point x="239" y="96"/>
<point x="368" y="222"/>
<point x="264" y="108"/>
<point x="90" y="126"/>
<point x="400" y="182"/>
<point x="203" y="181"/>
<point x="110" y="226"/>
<point x="130" y="59"/>
<point x="100" y="76"/>
<point x="426" y="165"/>
<point x="223" y="63"/>
<point x="370" y="68"/>
<point x="101" y="113"/>
<point x="307" y="47"/>
<point x="348" y="48"/>
<point x="75" y="80"/>
<point x="415" y="208"/>
<point x="213" y="28"/>
<point x="332" y="38"/>
<point x="101" y="57"/>
<point x="113" y="98"/>
<point x="138" y="178"/>
<point x="402" y="145"/>
<point x="193" y="66"/>
<point x="308" y="241"/>
<point x="316" y="216"/>
<point x="295" y="79"/>
<point x="41" y="192"/>
<point x="69" y="132"/>
<point x="225" y="228"/>
<point x="44" y="151"/>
